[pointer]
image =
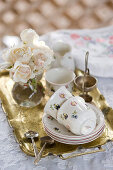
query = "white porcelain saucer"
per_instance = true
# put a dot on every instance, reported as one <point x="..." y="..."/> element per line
<point x="74" y="142"/>
<point x="61" y="134"/>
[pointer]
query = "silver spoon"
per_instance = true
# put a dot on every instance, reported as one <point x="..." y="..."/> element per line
<point x="46" y="140"/>
<point x="31" y="134"/>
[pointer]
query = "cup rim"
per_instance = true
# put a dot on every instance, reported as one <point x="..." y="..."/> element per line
<point x="88" y="88"/>
<point x="62" y="84"/>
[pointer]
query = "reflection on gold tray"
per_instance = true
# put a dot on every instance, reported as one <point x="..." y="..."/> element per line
<point x="24" y="119"/>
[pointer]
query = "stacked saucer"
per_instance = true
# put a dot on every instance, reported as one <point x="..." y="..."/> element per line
<point x="61" y="134"/>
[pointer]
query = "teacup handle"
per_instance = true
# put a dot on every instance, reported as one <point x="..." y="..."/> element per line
<point x="100" y="149"/>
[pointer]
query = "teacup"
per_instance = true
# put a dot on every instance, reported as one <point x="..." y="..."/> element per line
<point x="58" y="77"/>
<point x="76" y="116"/>
<point x="56" y="100"/>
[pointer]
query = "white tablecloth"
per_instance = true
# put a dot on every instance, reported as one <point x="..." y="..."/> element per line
<point x="12" y="158"/>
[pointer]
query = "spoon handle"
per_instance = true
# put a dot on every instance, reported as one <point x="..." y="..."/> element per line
<point x="34" y="147"/>
<point x="40" y="154"/>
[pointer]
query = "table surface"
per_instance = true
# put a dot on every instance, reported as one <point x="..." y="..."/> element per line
<point x="12" y="158"/>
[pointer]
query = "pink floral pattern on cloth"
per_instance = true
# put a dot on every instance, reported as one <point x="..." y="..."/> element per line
<point x="104" y="41"/>
<point x="99" y="43"/>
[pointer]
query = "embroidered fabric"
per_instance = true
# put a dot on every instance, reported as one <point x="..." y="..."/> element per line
<point x="99" y="43"/>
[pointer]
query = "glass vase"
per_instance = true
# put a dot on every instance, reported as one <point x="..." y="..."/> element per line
<point x="25" y="96"/>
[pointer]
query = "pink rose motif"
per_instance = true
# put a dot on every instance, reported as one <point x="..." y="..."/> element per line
<point x="100" y="40"/>
<point x="62" y="95"/>
<point x="111" y="41"/>
<point x="73" y="103"/>
<point x="74" y="36"/>
<point x="87" y="38"/>
<point x="68" y="127"/>
<point x="111" y="37"/>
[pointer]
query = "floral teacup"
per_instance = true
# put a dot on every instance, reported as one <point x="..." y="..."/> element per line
<point x="76" y="116"/>
<point x="58" y="77"/>
<point x="56" y="100"/>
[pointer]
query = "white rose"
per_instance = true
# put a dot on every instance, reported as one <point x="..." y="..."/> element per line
<point x="39" y="64"/>
<point x="25" y="55"/>
<point x="29" y="37"/>
<point x="21" y="72"/>
<point x="22" y="54"/>
<point x="42" y="56"/>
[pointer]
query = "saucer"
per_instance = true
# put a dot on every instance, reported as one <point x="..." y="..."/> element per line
<point x="61" y="134"/>
<point x="74" y="142"/>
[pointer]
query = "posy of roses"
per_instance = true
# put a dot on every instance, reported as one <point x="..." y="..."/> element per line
<point x="27" y="60"/>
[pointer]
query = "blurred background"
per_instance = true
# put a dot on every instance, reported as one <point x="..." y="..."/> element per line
<point x="48" y="15"/>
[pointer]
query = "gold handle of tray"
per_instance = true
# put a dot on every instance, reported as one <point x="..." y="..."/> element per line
<point x="100" y="149"/>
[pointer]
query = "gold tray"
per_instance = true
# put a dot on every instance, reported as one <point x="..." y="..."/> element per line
<point x="24" y="119"/>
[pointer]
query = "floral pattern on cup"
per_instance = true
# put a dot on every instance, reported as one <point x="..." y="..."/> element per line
<point x="73" y="103"/>
<point x="50" y="117"/>
<point x="68" y="127"/>
<point x="53" y="83"/>
<point x="64" y="116"/>
<point x="74" y="115"/>
<point x="52" y="89"/>
<point x="62" y="95"/>
<point x="55" y="106"/>
<point x="56" y="129"/>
